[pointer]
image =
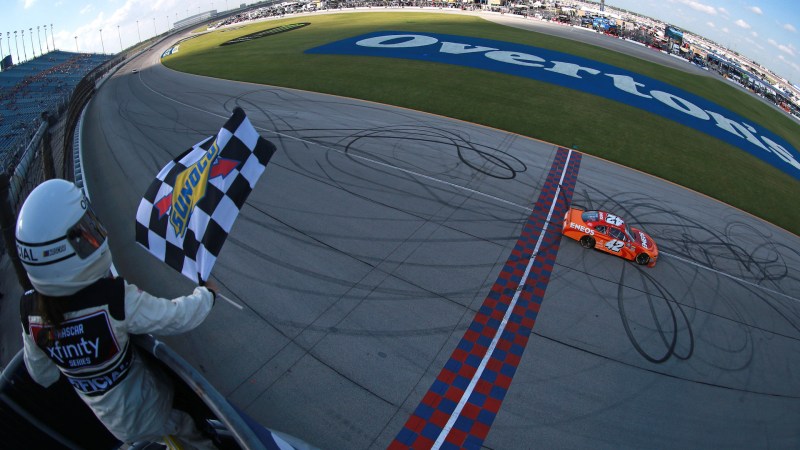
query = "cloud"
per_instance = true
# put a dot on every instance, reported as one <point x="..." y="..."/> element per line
<point x="723" y="11"/>
<point x="741" y="23"/>
<point x="788" y="49"/>
<point x="702" y="7"/>
<point x="28" y="3"/>
<point x="754" y="34"/>
<point x="754" y="43"/>
<point x="123" y="14"/>
<point x="789" y="27"/>
<point x="791" y="63"/>
<point x="725" y="29"/>
<point x="711" y="24"/>
<point x="119" y="23"/>
<point x="756" y="10"/>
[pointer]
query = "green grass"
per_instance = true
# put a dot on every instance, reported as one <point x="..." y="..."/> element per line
<point x="592" y="124"/>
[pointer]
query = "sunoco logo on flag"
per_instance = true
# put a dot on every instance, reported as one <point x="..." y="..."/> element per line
<point x="188" y="211"/>
<point x="190" y="187"/>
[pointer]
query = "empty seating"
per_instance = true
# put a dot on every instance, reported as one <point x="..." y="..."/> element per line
<point x="36" y="86"/>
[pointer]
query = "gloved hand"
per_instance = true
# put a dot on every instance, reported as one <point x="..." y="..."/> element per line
<point x="212" y="286"/>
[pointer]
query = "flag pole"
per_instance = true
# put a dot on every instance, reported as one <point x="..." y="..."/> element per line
<point x="219" y="294"/>
<point x="236" y="305"/>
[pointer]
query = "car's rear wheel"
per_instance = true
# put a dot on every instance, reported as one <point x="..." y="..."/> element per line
<point x="642" y="259"/>
<point x="587" y="242"/>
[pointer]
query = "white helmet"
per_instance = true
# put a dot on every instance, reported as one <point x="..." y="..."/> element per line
<point x="60" y="241"/>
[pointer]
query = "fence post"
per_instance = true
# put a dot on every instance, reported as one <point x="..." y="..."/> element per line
<point x="7" y="225"/>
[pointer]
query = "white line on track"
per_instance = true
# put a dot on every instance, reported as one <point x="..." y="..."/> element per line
<point x="482" y="366"/>
<point x="740" y="280"/>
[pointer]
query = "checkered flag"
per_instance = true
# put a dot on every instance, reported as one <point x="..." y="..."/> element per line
<point x="188" y="211"/>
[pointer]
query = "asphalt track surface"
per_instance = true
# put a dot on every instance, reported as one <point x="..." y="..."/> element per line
<point x="374" y="236"/>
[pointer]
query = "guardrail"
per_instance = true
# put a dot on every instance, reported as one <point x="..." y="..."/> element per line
<point x="245" y="436"/>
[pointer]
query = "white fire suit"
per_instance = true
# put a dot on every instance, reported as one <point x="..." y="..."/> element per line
<point x="92" y="349"/>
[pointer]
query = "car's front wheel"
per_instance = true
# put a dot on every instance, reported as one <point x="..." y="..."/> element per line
<point x="587" y="242"/>
<point x="642" y="259"/>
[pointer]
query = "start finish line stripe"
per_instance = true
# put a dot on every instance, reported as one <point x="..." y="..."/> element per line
<point x="459" y="408"/>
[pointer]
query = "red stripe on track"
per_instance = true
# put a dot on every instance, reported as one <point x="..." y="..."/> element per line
<point x="459" y="408"/>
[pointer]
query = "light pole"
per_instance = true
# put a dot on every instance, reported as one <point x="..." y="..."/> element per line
<point x="138" y="32"/>
<point x="33" y="50"/>
<point x="52" y="36"/>
<point x="8" y="38"/>
<point x="1" y="46"/>
<point x="120" y="39"/>
<point x="101" y="41"/>
<point x="24" y="47"/>
<point x="155" y="32"/>
<point x="76" y="44"/>
<point x="46" y="44"/>
<point x="22" y="38"/>
<point x="39" y="37"/>
<point x="16" y="44"/>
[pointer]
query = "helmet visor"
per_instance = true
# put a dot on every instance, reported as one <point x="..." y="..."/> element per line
<point x="87" y="235"/>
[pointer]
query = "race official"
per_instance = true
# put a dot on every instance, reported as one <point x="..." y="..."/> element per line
<point x="77" y="320"/>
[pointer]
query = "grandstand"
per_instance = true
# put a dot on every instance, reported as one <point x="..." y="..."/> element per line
<point x="29" y="89"/>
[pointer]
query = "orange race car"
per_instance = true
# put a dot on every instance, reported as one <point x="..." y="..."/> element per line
<point x="609" y="233"/>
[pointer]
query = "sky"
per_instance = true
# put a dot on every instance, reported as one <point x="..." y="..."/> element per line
<point x="85" y="18"/>
<point x="763" y="30"/>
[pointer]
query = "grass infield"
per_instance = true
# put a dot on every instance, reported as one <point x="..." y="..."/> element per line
<point x="565" y="117"/>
